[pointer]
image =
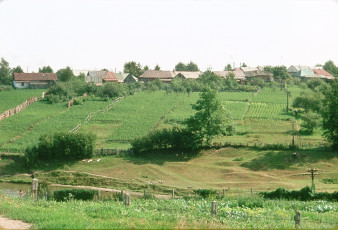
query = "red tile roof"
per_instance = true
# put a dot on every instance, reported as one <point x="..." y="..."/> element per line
<point x="321" y="72"/>
<point x="110" y="76"/>
<point x="35" y="77"/>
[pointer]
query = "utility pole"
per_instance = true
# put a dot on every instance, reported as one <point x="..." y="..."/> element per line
<point x="313" y="173"/>
<point x="293" y="134"/>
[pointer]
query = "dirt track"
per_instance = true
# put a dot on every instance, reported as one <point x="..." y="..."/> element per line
<point x="6" y="223"/>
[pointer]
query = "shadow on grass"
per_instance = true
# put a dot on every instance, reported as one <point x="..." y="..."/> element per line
<point x="163" y="156"/>
<point x="285" y="159"/>
<point x="16" y="165"/>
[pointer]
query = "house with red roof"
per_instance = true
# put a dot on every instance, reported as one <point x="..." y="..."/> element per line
<point x="34" y="80"/>
<point x="100" y="77"/>
<point x="323" y="74"/>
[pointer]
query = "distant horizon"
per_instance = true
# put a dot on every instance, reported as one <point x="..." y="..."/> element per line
<point x="92" y="35"/>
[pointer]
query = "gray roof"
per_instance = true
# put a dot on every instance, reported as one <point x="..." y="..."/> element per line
<point x="188" y="74"/>
<point x="121" y="76"/>
<point x="157" y="74"/>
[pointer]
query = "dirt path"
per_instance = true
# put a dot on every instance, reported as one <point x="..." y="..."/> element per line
<point x="6" y="223"/>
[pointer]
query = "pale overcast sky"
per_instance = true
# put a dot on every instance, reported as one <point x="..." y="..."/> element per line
<point x="95" y="34"/>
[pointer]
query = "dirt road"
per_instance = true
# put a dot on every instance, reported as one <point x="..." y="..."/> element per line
<point x="6" y="223"/>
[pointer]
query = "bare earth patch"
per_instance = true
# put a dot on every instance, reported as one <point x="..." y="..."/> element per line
<point x="6" y="223"/>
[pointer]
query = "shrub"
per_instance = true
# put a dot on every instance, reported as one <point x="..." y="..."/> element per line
<point x="304" y="194"/>
<point x="62" y="146"/>
<point x="250" y="202"/>
<point x="205" y="193"/>
<point x="77" y="194"/>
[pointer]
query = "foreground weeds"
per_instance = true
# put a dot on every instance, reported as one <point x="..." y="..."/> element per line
<point x="178" y="213"/>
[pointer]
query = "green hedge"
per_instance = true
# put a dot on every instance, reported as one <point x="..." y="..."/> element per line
<point x="61" y="146"/>
<point x="205" y="193"/>
<point x="304" y="194"/>
<point x="77" y="194"/>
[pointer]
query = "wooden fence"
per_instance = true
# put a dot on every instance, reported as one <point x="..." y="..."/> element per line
<point x="18" y="108"/>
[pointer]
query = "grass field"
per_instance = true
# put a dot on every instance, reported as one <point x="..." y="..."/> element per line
<point x="10" y="99"/>
<point x="170" y="214"/>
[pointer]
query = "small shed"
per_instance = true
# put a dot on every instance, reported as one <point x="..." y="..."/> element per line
<point x="99" y="77"/>
<point x="187" y="74"/>
<point x="130" y="79"/>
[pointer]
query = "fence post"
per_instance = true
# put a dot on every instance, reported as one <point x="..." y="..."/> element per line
<point x="35" y="189"/>
<point x="297" y="219"/>
<point x="121" y="195"/>
<point x="223" y="192"/>
<point x="127" y="200"/>
<point x="214" y="208"/>
<point x="173" y="194"/>
<point x="251" y="193"/>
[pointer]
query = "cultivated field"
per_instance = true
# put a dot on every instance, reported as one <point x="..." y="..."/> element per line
<point x="261" y="118"/>
<point x="10" y="99"/>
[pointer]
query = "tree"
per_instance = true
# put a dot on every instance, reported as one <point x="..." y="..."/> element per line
<point x="244" y="65"/>
<point x="157" y="67"/>
<point x="65" y="74"/>
<point x="308" y="101"/>
<point x="228" y="68"/>
<point x="180" y="67"/>
<point x="5" y="73"/>
<point x="145" y="68"/>
<point x="191" y="66"/>
<point x="133" y="68"/>
<point x="311" y="121"/>
<point x="330" y="114"/>
<point x="212" y="80"/>
<point x="279" y="72"/>
<point x="46" y="69"/>
<point x="211" y="118"/>
<point x="17" y="69"/>
<point x="330" y="67"/>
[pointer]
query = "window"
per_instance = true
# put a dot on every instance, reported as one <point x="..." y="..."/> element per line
<point x="22" y="84"/>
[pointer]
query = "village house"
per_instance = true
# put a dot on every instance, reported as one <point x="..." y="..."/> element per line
<point x="323" y="74"/>
<point x="186" y="74"/>
<point x="34" y="80"/>
<point x="100" y="77"/>
<point x="239" y="75"/>
<point x="130" y="79"/>
<point x="151" y="75"/>
<point x="305" y="75"/>
<point x="252" y="72"/>
<point x="293" y="69"/>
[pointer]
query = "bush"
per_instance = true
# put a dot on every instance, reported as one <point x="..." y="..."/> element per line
<point x="251" y="202"/>
<point x="77" y="194"/>
<point x="205" y="193"/>
<point x="164" y="139"/>
<point x="305" y="194"/>
<point x="61" y="146"/>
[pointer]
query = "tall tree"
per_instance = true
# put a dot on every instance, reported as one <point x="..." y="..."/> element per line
<point x="65" y="74"/>
<point x="210" y="119"/>
<point x="180" y="67"/>
<point x="330" y="67"/>
<point x="211" y="79"/>
<point x="145" y="68"/>
<point x="133" y="68"/>
<point x="228" y="67"/>
<point x="17" y="69"/>
<point x="330" y="115"/>
<point x="244" y="65"/>
<point x="157" y="67"/>
<point x="5" y="73"/>
<point x="191" y="66"/>
<point x="46" y="69"/>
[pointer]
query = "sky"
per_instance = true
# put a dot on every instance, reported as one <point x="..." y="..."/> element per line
<point x="97" y="34"/>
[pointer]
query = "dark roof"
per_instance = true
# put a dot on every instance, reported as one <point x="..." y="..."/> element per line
<point x="157" y="74"/>
<point x="35" y="77"/>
